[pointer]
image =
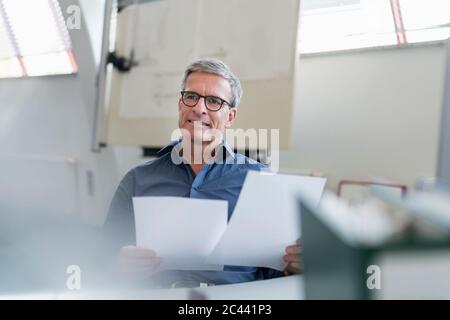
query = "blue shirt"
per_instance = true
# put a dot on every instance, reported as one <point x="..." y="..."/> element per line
<point x="170" y="175"/>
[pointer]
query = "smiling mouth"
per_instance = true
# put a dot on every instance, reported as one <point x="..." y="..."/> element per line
<point x="202" y="123"/>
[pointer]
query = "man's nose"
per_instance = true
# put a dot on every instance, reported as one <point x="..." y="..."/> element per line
<point x="200" y="107"/>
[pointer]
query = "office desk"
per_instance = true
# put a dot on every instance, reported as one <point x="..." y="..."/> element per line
<point x="285" y="288"/>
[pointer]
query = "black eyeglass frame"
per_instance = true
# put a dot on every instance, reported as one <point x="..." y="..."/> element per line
<point x="204" y="100"/>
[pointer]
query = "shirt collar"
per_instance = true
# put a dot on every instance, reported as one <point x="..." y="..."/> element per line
<point x="168" y="148"/>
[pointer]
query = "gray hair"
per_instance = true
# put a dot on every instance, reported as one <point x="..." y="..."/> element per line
<point x="215" y="66"/>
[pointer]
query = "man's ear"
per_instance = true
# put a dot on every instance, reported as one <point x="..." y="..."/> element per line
<point x="231" y="117"/>
<point x="180" y="104"/>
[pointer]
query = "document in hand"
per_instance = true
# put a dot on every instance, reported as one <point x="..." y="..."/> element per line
<point x="265" y="220"/>
<point x="182" y="231"/>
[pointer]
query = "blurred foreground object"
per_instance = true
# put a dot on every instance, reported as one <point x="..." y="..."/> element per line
<point x="387" y="247"/>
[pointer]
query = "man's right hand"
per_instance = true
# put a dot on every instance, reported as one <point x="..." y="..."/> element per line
<point x="138" y="263"/>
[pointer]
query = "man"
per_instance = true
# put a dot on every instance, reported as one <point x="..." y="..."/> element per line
<point x="201" y="165"/>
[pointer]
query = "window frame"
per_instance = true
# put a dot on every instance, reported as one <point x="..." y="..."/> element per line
<point x="400" y="32"/>
<point x="67" y="56"/>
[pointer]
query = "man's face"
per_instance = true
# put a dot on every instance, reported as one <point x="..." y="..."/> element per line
<point x="206" y="84"/>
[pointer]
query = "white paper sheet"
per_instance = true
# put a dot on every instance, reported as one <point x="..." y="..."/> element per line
<point x="182" y="231"/>
<point x="265" y="220"/>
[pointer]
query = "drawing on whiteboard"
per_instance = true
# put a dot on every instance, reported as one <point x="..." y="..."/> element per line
<point x="150" y="94"/>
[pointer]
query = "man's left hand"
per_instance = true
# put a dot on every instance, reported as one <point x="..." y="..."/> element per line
<point x="293" y="257"/>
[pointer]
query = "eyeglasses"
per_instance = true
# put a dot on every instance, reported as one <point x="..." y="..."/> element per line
<point x="212" y="103"/>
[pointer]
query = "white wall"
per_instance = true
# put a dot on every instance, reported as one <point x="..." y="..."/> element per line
<point x="444" y="145"/>
<point x="93" y="11"/>
<point x="48" y="118"/>
<point x="45" y="117"/>
<point x="369" y="113"/>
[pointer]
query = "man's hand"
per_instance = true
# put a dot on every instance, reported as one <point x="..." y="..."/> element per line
<point x="138" y="263"/>
<point x="293" y="259"/>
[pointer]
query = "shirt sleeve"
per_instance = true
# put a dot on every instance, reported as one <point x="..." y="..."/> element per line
<point x="271" y="273"/>
<point x="119" y="226"/>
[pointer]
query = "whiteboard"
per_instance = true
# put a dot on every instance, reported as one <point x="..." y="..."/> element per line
<point x="256" y="38"/>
